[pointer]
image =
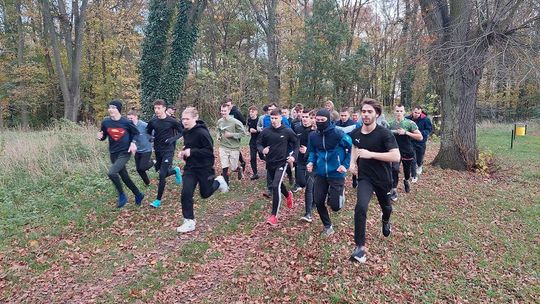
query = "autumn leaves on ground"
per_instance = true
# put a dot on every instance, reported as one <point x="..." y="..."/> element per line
<point x="457" y="237"/>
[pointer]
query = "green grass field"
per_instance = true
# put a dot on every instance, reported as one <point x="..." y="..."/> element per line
<point x="457" y="237"/>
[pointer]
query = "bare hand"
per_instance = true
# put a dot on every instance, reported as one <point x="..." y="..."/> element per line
<point x="309" y="167"/>
<point x="184" y="153"/>
<point x="400" y="131"/>
<point x="251" y="130"/>
<point x="132" y="148"/>
<point x="341" y="169"/>
<point x="290" y="160"/>
<point x="227" y="134"/>
<point x="266" y="150"/>
<point x="100" y="135"/>
<point x="365" y="154"/>
<point x="302" y="149"/>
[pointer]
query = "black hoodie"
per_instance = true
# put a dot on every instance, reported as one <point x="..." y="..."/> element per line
<point x="282" y="141"/>
<point x="200" y="142"/>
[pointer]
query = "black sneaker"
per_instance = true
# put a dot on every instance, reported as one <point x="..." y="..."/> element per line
<point x="393" y="195"/>
<point x="243" y="165"/>
<point x="358" y="255"/>
<point x="254" y="177"/>
<point x="407" y="185"/>
<point x="386" y="229"/>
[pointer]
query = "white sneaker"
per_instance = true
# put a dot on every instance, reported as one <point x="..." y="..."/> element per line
<point x="223" y="187"/>
<point x="414" y="179"/>
<point x="187" y="226"/>
<point x="419" y="170"/>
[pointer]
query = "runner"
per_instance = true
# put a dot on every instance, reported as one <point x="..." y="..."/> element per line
<point x="373" y="148"/>
<point x="238" y="115"/>
<point x="143" y="157"/>
<point x="425" y="127"/>
<point x="166" y="131"/>
<point x="329" y="157"/>
<point x="403" y="129"/>
<point x="280" y="147"/>
<point x="230" y="131"/>
<point x="252" y="128"/>
<point x="304" y="178"/>
<point x="122" y="135"/>
<point x="198" y="153"/>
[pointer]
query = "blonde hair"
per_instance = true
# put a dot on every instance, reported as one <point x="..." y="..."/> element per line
<point x="192" y="111"/>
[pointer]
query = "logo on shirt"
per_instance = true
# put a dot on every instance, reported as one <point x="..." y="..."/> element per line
<point x="357" y="140"/>
<point x="282" y="136"/>
<point x="116" y="133"/>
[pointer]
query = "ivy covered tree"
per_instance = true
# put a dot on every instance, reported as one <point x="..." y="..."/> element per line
<point x="166" y="53"/>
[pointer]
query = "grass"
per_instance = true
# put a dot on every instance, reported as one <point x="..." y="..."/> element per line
<point x="458" y="237"/>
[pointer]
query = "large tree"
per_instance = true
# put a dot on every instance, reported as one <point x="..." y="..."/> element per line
<point x="71" y="29"/>
<point x="165" y="57"/>
<point x="462" y="31"/>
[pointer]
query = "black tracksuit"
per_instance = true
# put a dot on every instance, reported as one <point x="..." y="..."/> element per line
<point x="304" y="178"/>
<point x="165" y="131"/>
<point x="252" y="124"/>
<point x="199" y="168"/>
<point x="282" y="142"/>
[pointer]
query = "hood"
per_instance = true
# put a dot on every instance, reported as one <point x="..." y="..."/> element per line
<point x="198" y="124"/>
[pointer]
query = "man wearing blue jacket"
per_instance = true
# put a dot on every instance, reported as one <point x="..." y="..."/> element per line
<point x="425" y="127"/>
<point x="329" y="157"/>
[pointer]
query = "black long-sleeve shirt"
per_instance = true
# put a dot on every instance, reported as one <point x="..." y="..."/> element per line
<point x="282" y="141"/>
<point x="120" y="133"/>
<point x="303" y="136"/>
<point x="166" y="132"/>
<point x="236" y="114"/>
<point x="252" y="124"/>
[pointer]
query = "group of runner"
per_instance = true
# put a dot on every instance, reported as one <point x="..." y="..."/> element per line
<point x="319" y="146"/>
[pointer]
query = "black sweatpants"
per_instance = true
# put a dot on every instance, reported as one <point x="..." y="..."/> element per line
<point x="407" y="167"/>
<point x="419" y="152"/>
<point x="143" y="162"/>
<point x="364" y="193"/>
<point x="207" y="186"/>
<point x="253" y="152"/>
<point x="275" y="177"/>
<point x="118" y="170"/>
<point x="163" y="166"/>
<point x="331" y="188"/>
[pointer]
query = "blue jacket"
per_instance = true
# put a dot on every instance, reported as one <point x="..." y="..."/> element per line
<point x="267" y="122"/>
<point x="424" y="125"/>
<point x="328" y="150"/>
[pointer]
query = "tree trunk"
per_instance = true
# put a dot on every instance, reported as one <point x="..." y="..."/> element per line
<point x="23" y="107"/>
<point x="271" y="43"/>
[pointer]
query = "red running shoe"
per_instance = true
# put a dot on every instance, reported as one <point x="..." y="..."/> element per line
<point x="290" y="200"/>
<point x="272" y="220"/>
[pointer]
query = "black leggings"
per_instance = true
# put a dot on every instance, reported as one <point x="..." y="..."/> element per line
<point x="163" y="165"/>
<point x="364" y="194"/>
<point x="207" y="187"/>
<point x="331" y="188"/>
<point x="143" y="162"/>
<point x="277" y="187"/>
<point x="118" y="170"/>
<point x="407" y="167"/>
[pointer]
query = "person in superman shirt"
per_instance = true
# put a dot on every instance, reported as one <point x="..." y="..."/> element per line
<point x="122" y="134"/>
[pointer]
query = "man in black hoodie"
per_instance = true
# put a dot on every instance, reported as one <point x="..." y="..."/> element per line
<point x="304" y="178"/>
<point x="198" y="153"/>
<point x="280" y="147"/>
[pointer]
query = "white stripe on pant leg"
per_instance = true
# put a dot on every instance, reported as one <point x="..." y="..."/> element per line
<point x="284" y="168"/>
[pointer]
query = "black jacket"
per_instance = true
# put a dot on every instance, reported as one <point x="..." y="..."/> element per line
<point x="236" y="114"/>
<point x="303" y="136"/>
<point x="252" y="123"/>
<point x="166" y="132"/>
<point x="200" y="142"/>
<point x="282" y="142"/>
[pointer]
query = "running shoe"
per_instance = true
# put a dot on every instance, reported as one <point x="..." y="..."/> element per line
<point x="393" y="195"/>
<point x="327" y="231"/>
<point x="178" y="175"/>
<point x="156" y="203"/>
<point x="358" y="255"/>
<point x="407" y="186"/>
<point x="187" y="226"/>
<point x="139" y="198"/>
<point x="223" y="187"/>
<point x="289" y="200"/>
<point x="122" y="200"/>
<point x="386" y="228"/>
<point x="272" y="220"/>
<point x="419" y="170"/>
<point x="254" y="177"/>
<point x="306" y="218"/>
<point x="414" y="179"/>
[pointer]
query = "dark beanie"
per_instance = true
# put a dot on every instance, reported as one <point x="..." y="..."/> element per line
<point x="324" y="112"/>
<point x="116" y="103"/>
